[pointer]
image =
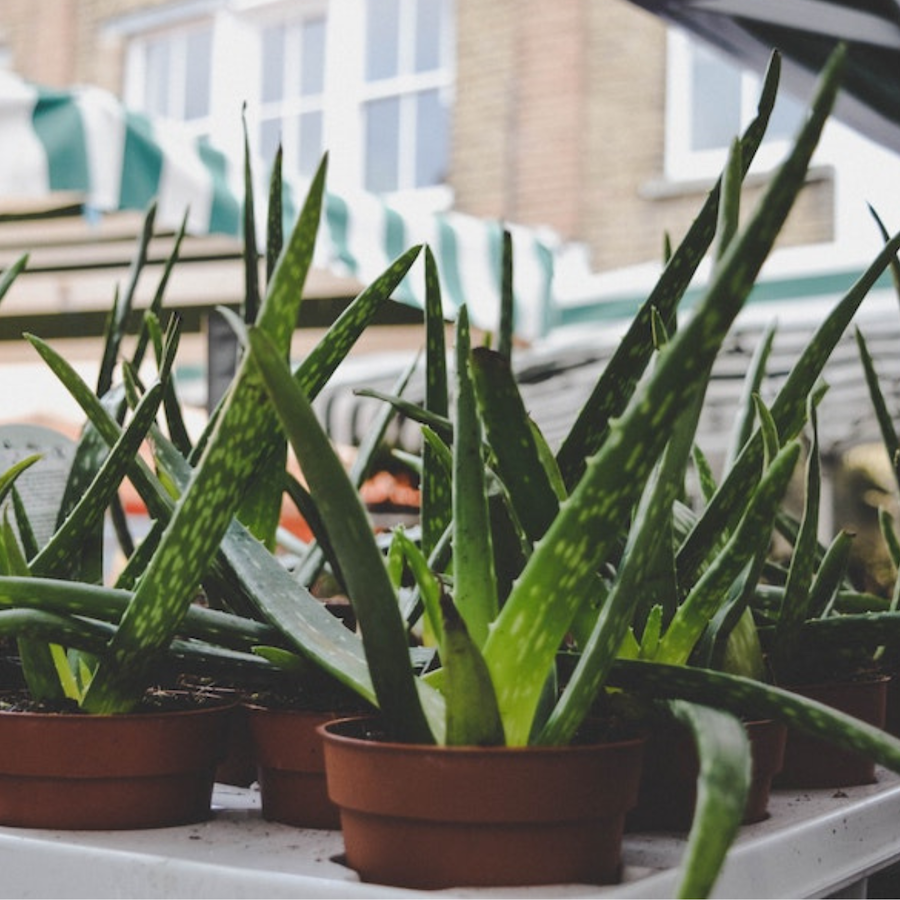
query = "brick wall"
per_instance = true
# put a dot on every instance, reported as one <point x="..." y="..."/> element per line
<point x="558" y="120"/>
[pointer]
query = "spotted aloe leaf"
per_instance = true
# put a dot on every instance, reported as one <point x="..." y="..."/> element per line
<point x="557" y="578"/>
<point x="351" y="534"/>
<point x="723" y="784"/>
<point x="475" y="584"/>
<point x="621" y="375"/>
<point x="472" y="714"/>
<point x="514" y="443"/>
<point x="203" y="513"/>
<point x="247" y="567"/>
<point x="889" y="436"/>
<point x="750" y="698"/>
<point x="789" y="413"/>
<point x="436" y="508"/>
<point x="749" y="541"/>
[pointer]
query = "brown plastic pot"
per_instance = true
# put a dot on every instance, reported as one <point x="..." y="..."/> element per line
<point x="79" y="771"/>
<point x="435" y="817"/>
<point x="668" y="790"/>
<point x="290" y="766"/>
<point x="813" y="763"/>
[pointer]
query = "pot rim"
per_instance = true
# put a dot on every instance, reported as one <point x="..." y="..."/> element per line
<point x="329" y="731"/>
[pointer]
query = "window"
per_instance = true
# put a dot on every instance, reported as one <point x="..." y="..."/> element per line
<point x="709" y="102"/>
<point x="292" y="92"/>
<point x="405" y="102"/>
<point x="171" y="76"/>
<point x="368" y="81"/>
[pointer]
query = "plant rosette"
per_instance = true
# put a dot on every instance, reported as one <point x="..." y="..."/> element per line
<point x="430" y="817"/>
<point x="153" y="768"/>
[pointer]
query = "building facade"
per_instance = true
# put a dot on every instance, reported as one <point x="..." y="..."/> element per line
<point x="588" y="117"/>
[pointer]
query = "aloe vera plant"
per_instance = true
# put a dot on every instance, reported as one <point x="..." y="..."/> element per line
<point x="599" y="507"/>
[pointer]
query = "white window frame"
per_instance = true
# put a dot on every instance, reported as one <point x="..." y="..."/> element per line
<point x="406" y="84"/>
<point x="237" y="34"/>
<point x="135" y="92"/>
<point x="681" y="161"/>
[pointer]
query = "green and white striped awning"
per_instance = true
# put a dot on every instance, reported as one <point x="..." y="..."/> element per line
<point x="84" y="141"/>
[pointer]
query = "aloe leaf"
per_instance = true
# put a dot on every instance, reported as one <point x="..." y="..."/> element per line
<point x="723" y="784"/>
<point x="275" y="218"/>
<point x="885" y="423"/>
<point x="107" y="604"/>
<point x="617" y="611"/>
<point x="895" y="263"/>
<point x="436" y="502"/>
<point x="795" y="602"/>
<point x="440" y="424"/>
<point x="9" y="476"/>
<point x="511" y="436"/>
<point x="472" y="715"/>
<point x="531" y="625"/>
<point x="41" y="627"/>
<point x="302" y="619"/>
<point x="152" y="313"/>
<point x="260" y="508"/>
<point x="350" y="531"/>
<point x="203" y="512"/>
<point x="620" y="376"/>
<point x="889" y="534"/>
<point x="752" y="385"/>
<point x="830" y="575"/>
<point x="252" y="301"/>
<point x="11" y="273"/>
<point x="475" y="583"/>
<point x="360" y="469"/>
<point x="428" y="583"/>
<point x="750" y="698"/>
<point x="117" y="322"/>
<point x="788" y="411"/>
<point x="56" y="557"/>
<point x="751" y="538"/>
<point x="507" y="299"/>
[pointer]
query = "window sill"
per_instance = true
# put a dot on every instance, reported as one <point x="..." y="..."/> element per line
<point x="670" y="188"/>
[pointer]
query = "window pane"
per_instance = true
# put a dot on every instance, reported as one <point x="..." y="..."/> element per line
<point x="431" y="139"/>
<point x="312" y="57"/>
<point x="716" y="101"/>
<point x="156" y="86"/>
<point x="269" y="139"/>
<point x="198" y="69"/>
<point x="428" y="35"/>
<point x="310" y="150"/>
<point x="786" y="116"/>
<point x="272" y="64"/>
<point x="382" y="121"/>
<point x="382" y="35"/>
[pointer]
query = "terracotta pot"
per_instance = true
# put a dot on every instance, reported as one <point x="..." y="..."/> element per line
<point x="812" y="763"/>
<point x="290" y="766"/>
<point x="238" y="765"/>
<point x="78" y="771"/>
<point x="435" y="817"/>
<point x="668" y="790"/>
<point x="892" y="713"/>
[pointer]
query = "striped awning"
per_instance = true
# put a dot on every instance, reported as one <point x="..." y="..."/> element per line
<point x="85" y="142"/>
